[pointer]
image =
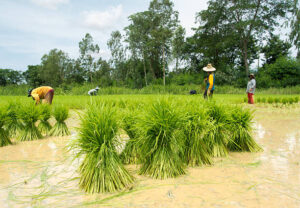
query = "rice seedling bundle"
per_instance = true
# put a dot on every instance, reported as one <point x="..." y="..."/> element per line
<point x="277" y="100"/>
<point x="162" y="141"/>
<point x="263" y="100"/>
<point x="101" y="169"/>
<point x="45" y="114"/>
<point x="270" y="100"/>
<point x="130" y="154"/>
<point x="29" y="115"/>
<point x="284" y="101"/>
<point x="197" y="125"/>
<point x="291" y="100"/>
<point x="218" y="135"/>
<point x="13" y="124"/>
<point x="241" y="130"/>
<point x="60" y="113"/>
<point x="258" y="99"/>
<point x="296" y="99"/>
<point x="4" y="134"/>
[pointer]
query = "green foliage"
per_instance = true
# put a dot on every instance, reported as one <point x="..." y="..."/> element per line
<point x="29" y="115"/>
<point x="241" y="131"/>
<point x="4" y="134"/>
<point x="13" y="124"/>
<point x="101" y="169"/>
<point x="162" y="141"/>
<point x="60" y="113"/>
<point x="270" y="100"/>
<point x="45" y="114"/>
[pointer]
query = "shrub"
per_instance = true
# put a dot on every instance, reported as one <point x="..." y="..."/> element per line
<point x="101" y="169"/>
<point x="60" y="128"/>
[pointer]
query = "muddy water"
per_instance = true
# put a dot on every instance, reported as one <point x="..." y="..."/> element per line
<point x="41" y="174"/>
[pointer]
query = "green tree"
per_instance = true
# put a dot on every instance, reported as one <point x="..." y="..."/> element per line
<point x="10" y="77"/>
<point x="88" y="53"/>
<point x="275" y="48"/>
<point x="33" y="76"/>
<point x="295" y="26"/>
<point x="178" y="45"/>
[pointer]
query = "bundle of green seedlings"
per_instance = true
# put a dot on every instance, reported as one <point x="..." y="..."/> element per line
<point x="161" y="141"/>
<point x="196" y="127"/>
<point x="218" y="133"/>
<point x="60" y="113"/>
<point x="101" y="169"/>
<point x="241" y="131"/>
<point x="13" y="125"/>
<point x="29" y="115"/>
<point x="130" y="154"/>
<point x="4" y="134"/>
<point x="45" y="114"/>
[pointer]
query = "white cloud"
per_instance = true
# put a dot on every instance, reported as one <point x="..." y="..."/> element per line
<point x="49" y="4"/>
<point x="102" y="20"/>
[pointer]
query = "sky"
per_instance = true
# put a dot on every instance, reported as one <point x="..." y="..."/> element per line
<point x="31" y="28"/>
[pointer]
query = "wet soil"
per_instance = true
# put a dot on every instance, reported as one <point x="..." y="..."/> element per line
<point x="42" y="174"/>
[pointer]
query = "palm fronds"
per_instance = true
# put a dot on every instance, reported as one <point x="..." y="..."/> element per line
<point x="4" y="135"/>
<point x="29" y="115"/>
<point x="241" y="120"/>
<point x="162" y="141"/>
<point x="60" y="113"/>
<point x="45" y="114"/>
<point x="101" y="169"/>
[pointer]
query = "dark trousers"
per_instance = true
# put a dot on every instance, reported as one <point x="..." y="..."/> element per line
<point x="210" y="95"/>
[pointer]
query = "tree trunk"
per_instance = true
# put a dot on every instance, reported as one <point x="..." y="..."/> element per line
<point x="145" y="68"/>
<point x="176" y="65"/>
<point x="164" y="70"/>
<point x="245" y="54"/>
<point x="152" y="70"/>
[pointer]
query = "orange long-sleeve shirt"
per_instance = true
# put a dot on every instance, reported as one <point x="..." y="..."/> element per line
<point x="40" y="92"/>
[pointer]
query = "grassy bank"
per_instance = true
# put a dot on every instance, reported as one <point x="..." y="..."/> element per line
<point x="151" y="89"/>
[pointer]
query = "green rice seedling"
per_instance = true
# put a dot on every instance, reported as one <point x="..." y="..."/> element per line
<point x="13" y="125"/>
<point x="130" y="154"/>
<point x="60" y="113"/>
<point x="259" y="100"/>
<point x="45" y="114"/>
<point x="196" y="150"/>
<point x="218" y="135"/>
<point x="29" y="115"/>
<point x="291" y="100"/>
<point x="4" y="134"/>
<point x="241" y="131"/>
<point x="276" y="100"/>
<point x="270" y="100"/>
<point x="296" y="99"/>
<point x="284" y="101"/>
<point x="245" y="100"/>
<point x="101" y="169"/>
<point x="162" y="141"/>
<point x="263" y="100"/>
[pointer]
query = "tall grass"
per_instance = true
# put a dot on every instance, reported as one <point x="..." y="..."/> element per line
<point x="162" y="141"/>
<point x="101" y="169"/>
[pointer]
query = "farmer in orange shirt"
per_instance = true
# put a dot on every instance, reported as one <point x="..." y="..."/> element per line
<point x="39" y="93"/>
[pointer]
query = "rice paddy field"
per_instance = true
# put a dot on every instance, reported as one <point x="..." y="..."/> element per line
<point x="150" y="151"/>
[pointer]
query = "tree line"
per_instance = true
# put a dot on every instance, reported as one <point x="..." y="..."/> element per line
<point x="154" y="49"/>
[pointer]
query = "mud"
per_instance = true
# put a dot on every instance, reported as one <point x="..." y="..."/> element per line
<point x="41" y="174"/>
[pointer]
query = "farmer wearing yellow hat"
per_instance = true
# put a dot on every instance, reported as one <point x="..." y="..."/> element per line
<point x="39" y="93"/>
<point x="210" y="80"/>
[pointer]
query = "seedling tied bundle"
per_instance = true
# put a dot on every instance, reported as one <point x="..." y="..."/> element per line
<point x="45" y="114"/>
<point x="4" y="134"/>
<point x="101" y="169"/>
<point x="60" y="113"/>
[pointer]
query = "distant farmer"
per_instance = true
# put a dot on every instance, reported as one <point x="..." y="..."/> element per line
<point x="93" y="92"/>
<point x="210" y="81"/>
<point x="251" y="88"/>
<point x="40" y="93"/>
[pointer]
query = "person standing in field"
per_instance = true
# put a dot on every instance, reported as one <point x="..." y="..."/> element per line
<point x="40" y="93"/>
<point x="251" y="88"/>
<point x="210" y="81"/>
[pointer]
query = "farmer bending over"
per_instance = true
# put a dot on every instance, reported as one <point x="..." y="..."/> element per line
<point x="251" y="88"/>
<point x="93" y="91"/>
<point x="39" y="93"/>
<point x="210" y="81"/>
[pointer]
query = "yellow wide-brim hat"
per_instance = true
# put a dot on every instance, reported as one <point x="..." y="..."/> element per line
<point x="209" y="68"/>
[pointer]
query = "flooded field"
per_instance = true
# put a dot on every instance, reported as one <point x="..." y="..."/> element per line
<point x="42" y="174"/>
